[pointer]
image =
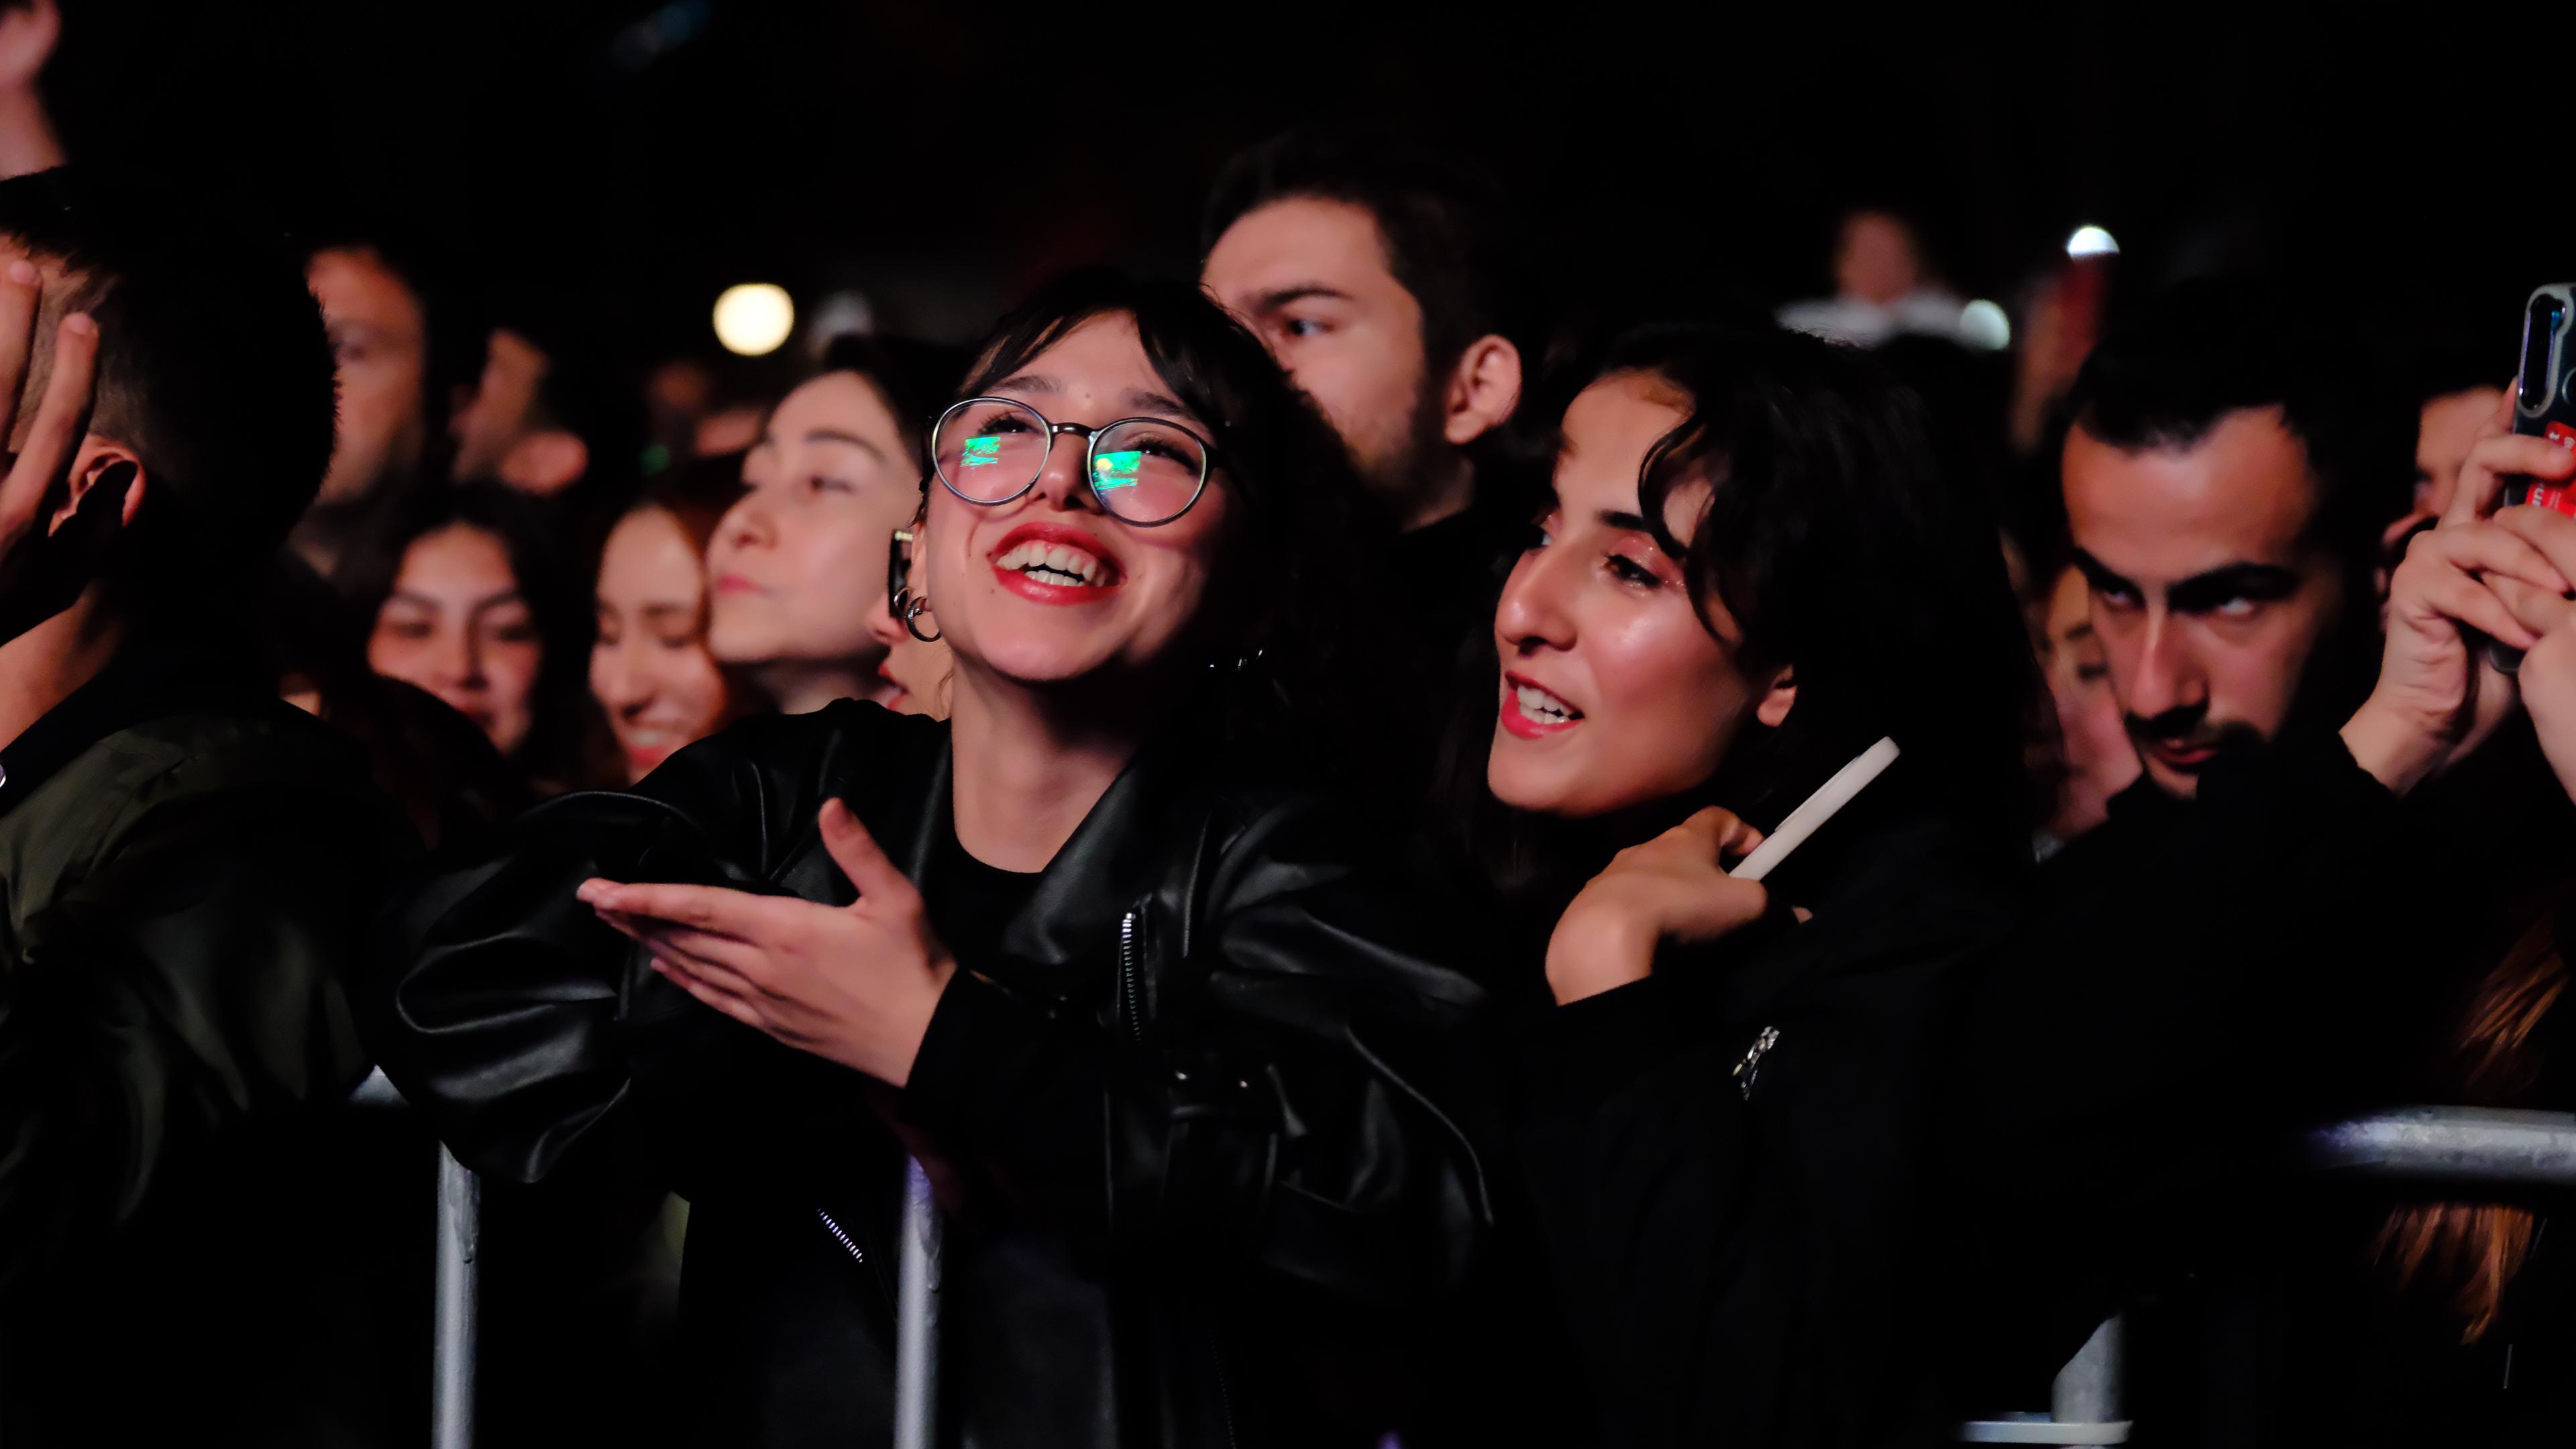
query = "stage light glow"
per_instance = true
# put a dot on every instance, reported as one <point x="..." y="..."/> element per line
<point x="1983" y="324"/>
<point x="753" y="318"/>
<point x="2091" y="241"/>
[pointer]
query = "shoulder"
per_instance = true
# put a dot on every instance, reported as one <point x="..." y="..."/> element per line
<point x="254" y="751"/>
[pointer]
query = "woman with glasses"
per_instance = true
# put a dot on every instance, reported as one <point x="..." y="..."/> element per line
<point x="1184" y="1078"/>
<point x="793" y="568"/>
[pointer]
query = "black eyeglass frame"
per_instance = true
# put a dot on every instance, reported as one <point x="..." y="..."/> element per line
<point x="1209" y="456"/>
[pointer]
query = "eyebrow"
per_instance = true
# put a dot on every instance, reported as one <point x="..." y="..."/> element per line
<point x="476" y="606"/>
<point x="1030" y="382"/>
<point x="835" y="435"/>
<point x="1145" y="400"/>
<point x="1279" y="297"/>
<point x="2203" y="591"/>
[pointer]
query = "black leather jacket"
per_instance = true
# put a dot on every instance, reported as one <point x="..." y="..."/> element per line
<point x="1221" y="1083"/>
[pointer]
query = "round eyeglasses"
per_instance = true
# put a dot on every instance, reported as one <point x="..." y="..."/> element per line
<point x="1144" y="471"/>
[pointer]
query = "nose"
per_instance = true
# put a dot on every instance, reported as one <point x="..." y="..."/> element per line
<point x="883" y="627"/>
<point x="2166" y="674"/>
<point x="622" y="688"/>
<point x="748" y="524"/>
<point x="1532" y="613"/>
<point x="456" y="660"/>
<point x="1060" y="482"/>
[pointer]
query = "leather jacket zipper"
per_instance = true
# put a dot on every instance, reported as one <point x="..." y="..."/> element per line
<point x="840" y="1236"/>
<point x="1131" y="976"/>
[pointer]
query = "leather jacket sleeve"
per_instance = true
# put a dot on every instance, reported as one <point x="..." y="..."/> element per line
<point x="525" y="1028"/>
<point x="1294" y="1095"/>
<point x="193" y="981"/>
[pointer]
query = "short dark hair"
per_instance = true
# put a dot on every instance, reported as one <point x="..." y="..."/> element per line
<point x="1299" y="653"/>
<point x="212" y="362"/>
<point x="915" y="378"/>
<point x="1446" y="226"/>
<point x="2188" y="358"/>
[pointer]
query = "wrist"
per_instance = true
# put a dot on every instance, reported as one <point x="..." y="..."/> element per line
<point x="2397" y="752"/>
<point x="1596" y="951"/>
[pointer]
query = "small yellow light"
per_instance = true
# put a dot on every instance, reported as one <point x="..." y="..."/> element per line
<point x="753" y="318"/>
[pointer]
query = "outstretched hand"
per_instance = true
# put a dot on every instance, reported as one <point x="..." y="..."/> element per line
<point x="44" y="563"/>
<point x="1671" y="888"/>
<point x="855" y="984"/>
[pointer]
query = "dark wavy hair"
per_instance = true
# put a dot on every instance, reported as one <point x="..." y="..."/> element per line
<point x="549" y="587"/>
<point x="1835" y="543"/>
<point x="1292" y="663"/>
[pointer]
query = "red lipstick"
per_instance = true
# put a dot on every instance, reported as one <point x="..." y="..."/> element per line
<point x="1047" y="591"/>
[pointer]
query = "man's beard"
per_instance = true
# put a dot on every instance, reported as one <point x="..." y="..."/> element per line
<point x="1403" y="475"/>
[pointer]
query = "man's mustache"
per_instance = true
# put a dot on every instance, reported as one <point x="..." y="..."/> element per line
<point x="2188" y="726"/>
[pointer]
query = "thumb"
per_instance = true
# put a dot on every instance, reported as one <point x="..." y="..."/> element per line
<point x="1719" y="831"/>
<point x="857" y="854"/>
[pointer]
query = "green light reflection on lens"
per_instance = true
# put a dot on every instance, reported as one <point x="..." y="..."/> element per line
<point x="1116" y="470"/>
<point x="981" y="451"/>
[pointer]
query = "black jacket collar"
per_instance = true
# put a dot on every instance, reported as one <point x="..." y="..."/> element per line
<point x="141" y="684"/>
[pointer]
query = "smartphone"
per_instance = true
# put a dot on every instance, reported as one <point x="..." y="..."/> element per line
<point x="2544" y="406"/>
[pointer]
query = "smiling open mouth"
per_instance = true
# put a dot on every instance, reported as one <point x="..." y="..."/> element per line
<point x="1055" y="563"/>
<point x="1530" y="710"/>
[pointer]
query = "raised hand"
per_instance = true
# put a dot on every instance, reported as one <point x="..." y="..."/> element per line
<point x="855" y="984"/>
<point x="46" y="562"/>
<point x="1671" y="888"/>
<point x="2437" y="699"/>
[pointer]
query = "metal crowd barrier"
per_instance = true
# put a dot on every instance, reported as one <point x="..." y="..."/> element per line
<point x="2442" y="1148"/>
<point x="2448" y="1149"/>
<point x="459" y="1284"/>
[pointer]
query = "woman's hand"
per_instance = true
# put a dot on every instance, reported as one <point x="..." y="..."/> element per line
<point x="2548" y="675"/>
<point x="855" y="984"/>
<point x="2436" y="699"/>
<point x="1671" y="888"/>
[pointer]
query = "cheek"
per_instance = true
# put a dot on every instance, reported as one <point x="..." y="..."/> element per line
<point x="512" y="668"/>
<point x="692" y="683"/>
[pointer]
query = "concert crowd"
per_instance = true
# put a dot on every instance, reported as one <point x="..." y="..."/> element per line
<point x="1413" y="863"/>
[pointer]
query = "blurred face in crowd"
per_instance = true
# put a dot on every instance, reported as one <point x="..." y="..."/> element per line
<point x="1612" y="692"/>
<point x="1048" y="588"/>
<point x="649" y="665"/>
<point x="2209" y="594"/>
<point x="1877" y="261"/>
<point x="493" y="420"/>
<point x="1310" y="278"/>
<point x="916" y="672"/>
<point x="2097" y="759"/>
<point x="379" y="339"/>
<point x="799" y="561"/>
<point x="2448" y="427"/>
<point x="457" y="625"/>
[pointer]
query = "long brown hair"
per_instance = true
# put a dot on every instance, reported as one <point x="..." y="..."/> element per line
<point x="2472" y="1251"/>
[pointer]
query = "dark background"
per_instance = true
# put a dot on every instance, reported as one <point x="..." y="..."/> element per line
<point x="638" y="157"/>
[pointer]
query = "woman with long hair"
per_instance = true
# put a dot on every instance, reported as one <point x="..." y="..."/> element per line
<point x="460" y="592"/>
<point x="653" y="680"/>
<point x="799" y="558"/>
<point x="1748" y="573"/>
<point x="1183" y="1076"/>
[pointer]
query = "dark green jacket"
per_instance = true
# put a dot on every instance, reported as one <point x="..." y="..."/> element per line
<point x="186" y="864"/>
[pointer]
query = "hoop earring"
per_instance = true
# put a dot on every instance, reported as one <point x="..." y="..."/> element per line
<point x="912" y="613"/>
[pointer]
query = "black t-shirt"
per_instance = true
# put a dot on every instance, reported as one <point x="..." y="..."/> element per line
<point x="1016" y="1311"/>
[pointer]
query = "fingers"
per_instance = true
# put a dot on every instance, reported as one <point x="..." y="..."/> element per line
<point x="2474" y="602"/>
<point x="2515" y="543"/>
<point x="730" y="953"/>
<point x="857" y="854"/>
<point x="2537" y="610"/>
<point x="19" y="296"/>
<point x="2492" y="460"/>
<point x="707" y="995"/>
<point x="2549" y="532"/>
<point x="1719" y="832"/>
<point x="709" y="908"/>
<point x="61" y="418"/>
